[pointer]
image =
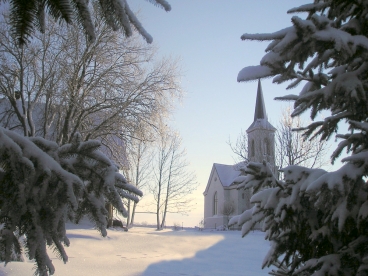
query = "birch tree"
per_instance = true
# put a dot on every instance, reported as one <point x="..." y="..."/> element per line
<point x="172" y="183"/>
<point x="138" y="169"/>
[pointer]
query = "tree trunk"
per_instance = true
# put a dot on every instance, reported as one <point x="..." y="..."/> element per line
<point x="168" y="187"/>
<point x="109" y="209"/>
<point x="158" y="218"/>
<point x="164" y="215"/>
<point x="133" y="213"/>
<point x="158" y="207"/>
<point x="128" y="217"/>
<point x="159" y="193"/>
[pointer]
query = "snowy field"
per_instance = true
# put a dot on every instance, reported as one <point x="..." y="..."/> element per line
<point x="144" y="251"/>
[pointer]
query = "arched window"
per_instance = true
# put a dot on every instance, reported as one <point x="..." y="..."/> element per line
<point x="252" y="149"/>
<point x="267" y="148"/>
<point x="215" y="204"/>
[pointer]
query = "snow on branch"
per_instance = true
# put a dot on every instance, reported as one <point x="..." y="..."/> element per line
<point x="315" y="220"/>
<point x="254" y="72"/>
<point x="289" y="97"/>
<point x="310" y="7"/>
<point x="43" y="185"/>
<point x="161" y="3"/>
<point x="116" y="14"/>
<point x="276" y="35"/>
<point x="134" y="20"/>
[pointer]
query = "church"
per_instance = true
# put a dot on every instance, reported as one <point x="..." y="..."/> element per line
<point x="221" y="193"/>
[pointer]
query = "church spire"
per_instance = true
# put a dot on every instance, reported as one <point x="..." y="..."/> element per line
<point x="260" y="110"/>
<point x="260" y="115"/>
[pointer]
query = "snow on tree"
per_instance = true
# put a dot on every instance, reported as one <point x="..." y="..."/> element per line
<point x="43" y="184"/>
<point x="316" y="220"/>
<point x="28" y="15"/>
<point x="60" y="84"/>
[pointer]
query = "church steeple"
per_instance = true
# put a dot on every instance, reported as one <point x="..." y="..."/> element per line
<point x="261" y="134"/>
<point x="260" y="115"/>
<point x="260" y="110"/>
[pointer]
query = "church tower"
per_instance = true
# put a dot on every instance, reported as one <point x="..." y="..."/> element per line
<point x="261" y="134"/>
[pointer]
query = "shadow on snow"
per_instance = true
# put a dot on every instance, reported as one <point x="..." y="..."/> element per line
<point x="231" y="256"/>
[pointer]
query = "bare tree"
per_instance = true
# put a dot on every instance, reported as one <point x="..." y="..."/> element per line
<point x="172" y="183"/>
<point x="240" y="148"/>
<point x="138" y="169"/>
<point x="41" y="182"/>
<point x="28" y="76"/>
<point x="104" y="90"/>
<point x="291" y="146"/>
<point x="227" y="209"/>
<point x="109" y="90"/>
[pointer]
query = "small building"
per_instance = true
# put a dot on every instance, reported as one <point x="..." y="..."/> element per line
<point x="221" y="194"/>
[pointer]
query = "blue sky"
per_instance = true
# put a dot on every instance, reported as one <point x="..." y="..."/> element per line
<point x="205" y="36"/>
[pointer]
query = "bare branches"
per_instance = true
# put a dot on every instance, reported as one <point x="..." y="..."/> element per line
<point x="292" y="147"/>
<point x="172" y="183"/>
<point x="104" y="90"/>
<point x="240" y="148"/>
<point x="295" y="149"/>
<point x="139" y="167"/>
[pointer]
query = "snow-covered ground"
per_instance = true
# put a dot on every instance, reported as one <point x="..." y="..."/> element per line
<point x="144" y="251"/>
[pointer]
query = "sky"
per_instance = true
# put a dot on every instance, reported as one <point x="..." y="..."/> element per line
<point x="205" y="36"/>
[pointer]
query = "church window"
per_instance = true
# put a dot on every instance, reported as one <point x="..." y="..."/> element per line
<point x="215" y="204"/>
<point x="252" y="149"/>
<point x="267" y="147"/>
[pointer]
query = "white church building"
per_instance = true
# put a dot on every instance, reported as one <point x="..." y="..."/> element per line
<point x="220" y="190"/>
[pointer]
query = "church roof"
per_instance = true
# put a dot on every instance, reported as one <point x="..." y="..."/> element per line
<point x="226" y="173"/>
<point x="260" y="115"/>
<point x="261" y="123"/>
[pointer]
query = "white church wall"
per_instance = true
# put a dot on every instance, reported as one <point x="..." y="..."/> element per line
<point x="243" y="201"/>
<point x="231" y="195"/>
<point x="213" y="219"/>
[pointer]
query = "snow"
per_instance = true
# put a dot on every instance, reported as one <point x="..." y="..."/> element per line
<point x="227" y="173"/>
<point x="267" y="36"/>
<point x="286" y="41"/>
<point x="308" y="7"/>
<point x="144" y="251"/>
<point x="261" y="123"/>
<point x="164" y="4"/>
<point x="254" y="72"/>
